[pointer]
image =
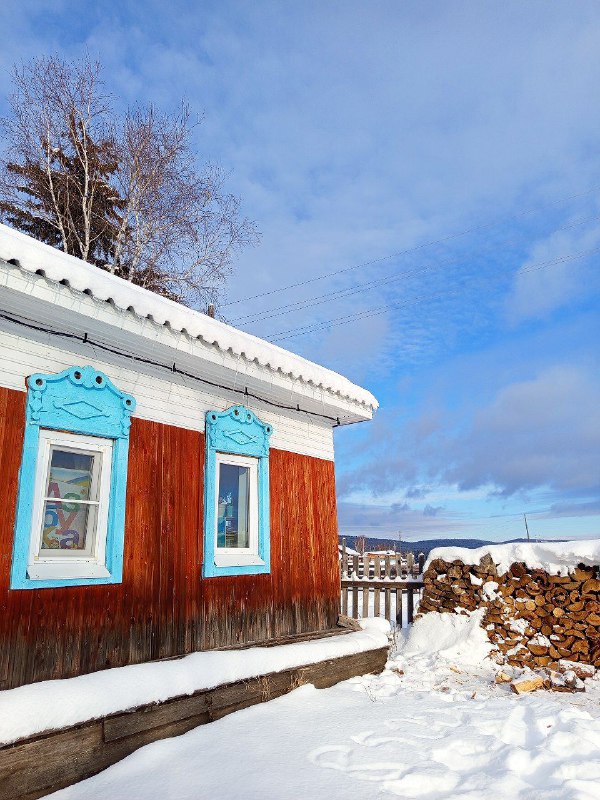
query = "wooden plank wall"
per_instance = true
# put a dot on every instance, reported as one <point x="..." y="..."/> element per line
<point x="163" y="608"/>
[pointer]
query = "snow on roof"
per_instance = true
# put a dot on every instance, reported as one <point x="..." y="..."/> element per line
<point x="553" y="557"/>
<point x="35" y="257"/>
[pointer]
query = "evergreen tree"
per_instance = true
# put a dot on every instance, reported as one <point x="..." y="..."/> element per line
<point x="68" y="201"/>
<point x="124" y="195"/>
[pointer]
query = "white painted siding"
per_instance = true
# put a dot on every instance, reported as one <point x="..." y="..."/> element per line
<point x="46" y="303"/>
<point x="178" y="401"/>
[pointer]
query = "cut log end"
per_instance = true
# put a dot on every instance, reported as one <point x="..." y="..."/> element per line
<point x="528" y="685"/>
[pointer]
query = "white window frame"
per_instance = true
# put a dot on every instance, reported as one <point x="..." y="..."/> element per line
<point x="68" y="563"/>
<point x="239" y="556"/>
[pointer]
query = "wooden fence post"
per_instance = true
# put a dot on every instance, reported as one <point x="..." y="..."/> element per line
<point x="409" y="605"/>
<point x="355" y="601"/>
<point x="399" y="607"/>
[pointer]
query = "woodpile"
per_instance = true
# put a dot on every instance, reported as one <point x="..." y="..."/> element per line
<point x="534" y="619"/>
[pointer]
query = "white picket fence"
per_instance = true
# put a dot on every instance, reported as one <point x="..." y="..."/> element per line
<point x="388" y="585"/>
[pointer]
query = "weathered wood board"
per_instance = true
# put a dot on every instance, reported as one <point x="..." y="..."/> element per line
<point x="45" y="763"/>
<point x="163" y="607"/>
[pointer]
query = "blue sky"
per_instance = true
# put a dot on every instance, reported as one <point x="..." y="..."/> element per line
<point x="451" y="149"/>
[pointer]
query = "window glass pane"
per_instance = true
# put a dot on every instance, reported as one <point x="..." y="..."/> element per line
<point x="233" y="506"/>
<point x="66" y="526"/>
<point x="70" y="475"/>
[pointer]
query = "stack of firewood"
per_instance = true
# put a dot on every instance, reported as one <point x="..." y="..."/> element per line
<point x="534" y="619"/>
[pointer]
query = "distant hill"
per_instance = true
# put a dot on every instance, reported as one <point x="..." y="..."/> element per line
<point x="420" y="546"/>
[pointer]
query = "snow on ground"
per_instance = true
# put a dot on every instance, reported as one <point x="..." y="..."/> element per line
<point x="433" y="725"/>
<point x="39" y="707"/>
<point x="450" y="636"/>
<point x="554" y="557"/>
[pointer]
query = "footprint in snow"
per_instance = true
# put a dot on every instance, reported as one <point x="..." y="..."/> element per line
<point x="451" y="721"/>
<point x="343" y="759"/>
<point x="373" y="739"/>
<point x="466" y="753"/>
<point x="331" y="757"/>
<point x="425" y="782"/>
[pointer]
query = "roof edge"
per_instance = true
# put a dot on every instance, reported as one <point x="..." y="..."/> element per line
<point x="33" y="256"/>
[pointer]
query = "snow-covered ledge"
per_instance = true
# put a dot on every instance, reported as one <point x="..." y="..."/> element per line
<point x="53" y="705"/>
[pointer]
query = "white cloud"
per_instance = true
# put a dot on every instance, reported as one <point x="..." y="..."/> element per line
<point x="540" y="286"/>
<point x="543" y="431"/>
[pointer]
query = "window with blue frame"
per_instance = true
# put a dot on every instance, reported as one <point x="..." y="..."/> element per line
<point x="236" y="494"/>
<point x="70" y="517"/>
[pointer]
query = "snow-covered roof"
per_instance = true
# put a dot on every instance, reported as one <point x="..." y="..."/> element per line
<point x="32" y="256"/>
<point x="553" y="557"/>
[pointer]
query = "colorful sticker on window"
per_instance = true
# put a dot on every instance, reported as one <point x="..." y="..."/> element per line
<point x="66" y="518"/>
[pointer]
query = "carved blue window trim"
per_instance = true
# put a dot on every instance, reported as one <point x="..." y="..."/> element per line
<point x="80" y="400"/>
<point x="236" y="431"/>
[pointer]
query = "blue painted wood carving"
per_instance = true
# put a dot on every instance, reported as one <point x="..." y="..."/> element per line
<point x="236" y="431"/>
<point x="80" y="400"/>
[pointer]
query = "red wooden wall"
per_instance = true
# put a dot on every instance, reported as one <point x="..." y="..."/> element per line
<point x="163" y="607"/>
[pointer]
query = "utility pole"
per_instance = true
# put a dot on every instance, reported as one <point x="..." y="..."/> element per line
<point x="526" y="526"/>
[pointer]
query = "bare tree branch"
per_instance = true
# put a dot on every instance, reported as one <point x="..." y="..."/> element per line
<point x="129" y="197"/>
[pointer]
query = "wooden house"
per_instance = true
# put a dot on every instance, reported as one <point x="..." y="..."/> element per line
<point x="168" y="480"/>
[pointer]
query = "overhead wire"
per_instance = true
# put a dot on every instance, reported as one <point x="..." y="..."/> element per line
<point x="509" y="521"/>
<point x="341" y="294"/>
<point x="171" y="368"/>
<point x="414" y="249"/>
<point x="376" y="310"/>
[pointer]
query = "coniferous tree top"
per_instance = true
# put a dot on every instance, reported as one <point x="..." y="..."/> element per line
<point x="125" y="196"/>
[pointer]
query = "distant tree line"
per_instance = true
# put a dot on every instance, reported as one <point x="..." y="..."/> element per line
<point x="123" y="193"/>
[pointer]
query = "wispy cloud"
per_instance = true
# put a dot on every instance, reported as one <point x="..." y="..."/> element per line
<point x="354" y="131"/>
<point x="539" y="290"/>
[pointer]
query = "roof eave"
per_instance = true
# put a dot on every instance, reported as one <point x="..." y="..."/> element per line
<point x="34" y="257"/>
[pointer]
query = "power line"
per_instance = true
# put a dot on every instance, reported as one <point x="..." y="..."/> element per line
<point x="375" y="311"/>
<point x="408" y="250"/>
<point x="341" y="294"/>
<point x="513" y="515"/>
<point x="510" y="520"/>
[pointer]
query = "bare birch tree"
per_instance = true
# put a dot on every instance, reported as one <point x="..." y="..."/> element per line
<point x="61" y="155"/>
<point x="125" y="195"/>
<point x="178" y="226"/>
